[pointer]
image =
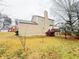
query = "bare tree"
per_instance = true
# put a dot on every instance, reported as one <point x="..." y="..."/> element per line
<point x="2" y="18"/>
<point x="76" y="15"/>
<point x="65" y="8"/>
<point x="7" y="22"/>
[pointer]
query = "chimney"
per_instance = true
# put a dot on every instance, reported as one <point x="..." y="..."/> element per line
<point x="46" y="14"/>
<point x="46" y="23"/>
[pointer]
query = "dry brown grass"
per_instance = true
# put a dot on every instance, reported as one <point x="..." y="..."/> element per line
<point x="38" y="47"/>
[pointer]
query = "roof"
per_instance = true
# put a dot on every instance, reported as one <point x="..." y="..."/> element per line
<point x="41" y="17"/>
<point x="27" y="22"/>
<point x="32" y="22"/>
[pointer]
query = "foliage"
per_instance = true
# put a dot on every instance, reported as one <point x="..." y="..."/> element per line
<point x="76" y="33"/>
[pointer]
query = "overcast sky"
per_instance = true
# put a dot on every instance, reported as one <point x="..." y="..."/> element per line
<point x="24" y="9"/>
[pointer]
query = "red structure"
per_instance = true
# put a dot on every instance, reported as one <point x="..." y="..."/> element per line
<point x="50" y="32"/>
<point x="13" y="29"/>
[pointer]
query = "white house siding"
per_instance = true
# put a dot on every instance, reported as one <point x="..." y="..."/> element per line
<point x="34" y="29"/>
<point x="30" y="30"/>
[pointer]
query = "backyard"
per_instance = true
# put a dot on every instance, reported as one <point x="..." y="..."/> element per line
<point x="39" y="47"/>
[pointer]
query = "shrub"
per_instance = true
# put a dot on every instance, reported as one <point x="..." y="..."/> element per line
<point x="76" y="35"/>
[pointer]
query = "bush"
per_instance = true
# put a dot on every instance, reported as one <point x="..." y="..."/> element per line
<point x="76" y="35"/>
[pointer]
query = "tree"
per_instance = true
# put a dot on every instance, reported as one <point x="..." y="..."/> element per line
<point x="1" y="15"/>
<point x="76" y="15"/>
<point x="66" y="9"/>
<point x="7" y="22"/>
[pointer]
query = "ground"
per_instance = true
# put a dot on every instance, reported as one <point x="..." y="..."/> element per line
<point x="37" y="47"/>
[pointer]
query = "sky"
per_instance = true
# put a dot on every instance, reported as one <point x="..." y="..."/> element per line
<point x="25" y="9"/>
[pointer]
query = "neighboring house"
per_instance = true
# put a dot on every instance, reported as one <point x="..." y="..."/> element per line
<point x="37" y="26"/>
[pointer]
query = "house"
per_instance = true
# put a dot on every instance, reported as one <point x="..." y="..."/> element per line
<point x="37" y="26"/>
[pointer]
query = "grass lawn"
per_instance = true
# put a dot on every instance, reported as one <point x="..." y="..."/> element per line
<point x="38" y="47"/>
